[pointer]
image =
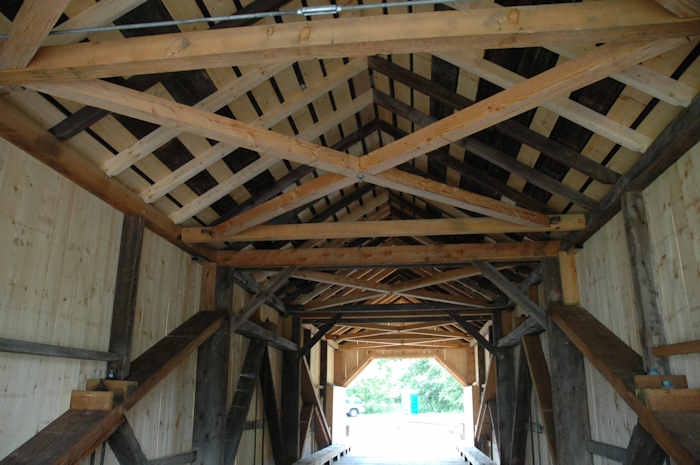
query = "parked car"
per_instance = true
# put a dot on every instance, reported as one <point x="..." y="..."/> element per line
<point x="354" y="406"/>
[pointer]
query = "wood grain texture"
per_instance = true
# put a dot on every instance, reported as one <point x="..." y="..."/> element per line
<point x="32" y="24"/>
<point x="524" y="26"/>
<point x="388" y="256"/>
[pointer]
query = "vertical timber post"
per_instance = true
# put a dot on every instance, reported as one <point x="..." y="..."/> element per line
<point x="642" y="448"/>
<point x="505" y="386"/>
<point x="291" y="396"/>
<point x="569" y="396"/>
<point x="479" y="380"/>
<point x="125" y="290"/>
<point x="651" y="326"/>
<point x="212" y="376"/>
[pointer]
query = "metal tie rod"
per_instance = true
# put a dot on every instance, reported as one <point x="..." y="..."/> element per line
<point x="305" y="11"/>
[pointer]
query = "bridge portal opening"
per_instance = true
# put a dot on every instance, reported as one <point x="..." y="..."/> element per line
<point x="405" y="409"/>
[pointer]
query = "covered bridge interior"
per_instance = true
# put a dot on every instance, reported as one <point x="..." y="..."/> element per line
<point x="216" y="213"/>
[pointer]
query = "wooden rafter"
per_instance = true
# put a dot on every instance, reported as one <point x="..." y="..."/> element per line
<point x="604" y="22"/>
<point x="167" y="113"/>
<point x="511" y="128"/>
<point x="31" y="26"/>
<point x="558" y="81"/>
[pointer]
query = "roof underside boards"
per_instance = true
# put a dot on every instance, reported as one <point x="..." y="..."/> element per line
<point x="559" y="157"/>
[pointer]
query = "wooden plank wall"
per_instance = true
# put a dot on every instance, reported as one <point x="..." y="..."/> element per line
<point x="673" y="205"/>
<point x="58" y="266"/>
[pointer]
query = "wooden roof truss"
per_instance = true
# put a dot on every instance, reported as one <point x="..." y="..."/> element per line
<point x="374" y="161"/>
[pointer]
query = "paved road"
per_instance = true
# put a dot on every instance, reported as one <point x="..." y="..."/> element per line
<point x="426" y="439"/>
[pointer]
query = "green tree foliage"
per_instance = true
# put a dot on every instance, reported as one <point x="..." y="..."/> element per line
<point x="380" y="386"/>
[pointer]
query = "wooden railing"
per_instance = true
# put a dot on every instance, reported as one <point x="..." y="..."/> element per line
<point x="474" y="456"/>
<point x="325" y="455"/>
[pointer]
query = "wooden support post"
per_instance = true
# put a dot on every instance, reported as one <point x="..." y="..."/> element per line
<point x="212" y="378"/>
<point x="323" y="375"/>
<point x="479" y="380"/>
<point x="126" y="447"/>
<point x="539" y="373"/>
<point x="291" y="398"/>
<point x="247" y="381"/>
<point x="125" y="290"/>
<point x="521" y="416"/>
<point x="270" y="405"/>
<point x="569" y="396"/>
<point x="651" y="326"/>
<point x="505" y="387"/>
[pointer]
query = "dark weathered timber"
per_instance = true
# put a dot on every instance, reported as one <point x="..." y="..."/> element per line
<point x="246" y="281"/>
<point x="673" y="142"/>
<point x="566" y="367"/>
<point x="542" y="382"/>
<point x="81" y="431"/>
<point x="76" y="430"/>
<point x="160" y="359"/>
<point x="176" y="459"/>
<point x="342" y="203"/>
<point x="505" y="394"/>
<point x="473" y="174"/>
<point x="274" y="426"/>
<point x="606" y="450"/>
<point x="223" y="288"/>
<point x="287" y="180"/>
<point x="489" y="154"/>
<point x="521" y="417"/>
<point x="254" y="331"/>
<point x="306" y="350"/>
<point x="212" y="379"/>
<point x="210" y="398"/>
<point x="125" y="290"/>
<point x="34" y="348"/>
<point x="323" y="378"/>
<point x="641" y="253"/>
<point x="126" y="447"/>
<point x="643" y="449"/>
<point x="322" y="431"/>
<point x="291" y="397"/>
<point x="261" y="298"/>
<point x="235" y="420"/>
<point x="529" y="326"/>
<point x="511" y="128"/>
<point x="87" y="116"/>
<point x="473" y="332"/>
<point x="513" y="292"/>
<point x="355" y="137"/>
